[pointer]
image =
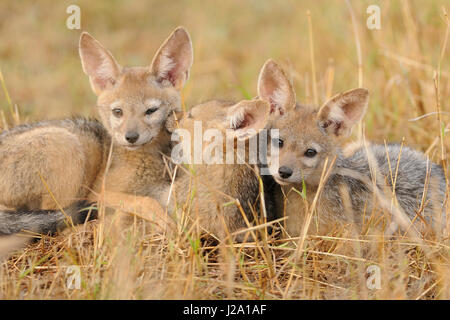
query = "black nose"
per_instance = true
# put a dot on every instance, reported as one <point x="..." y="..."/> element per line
<point x="285" y="172"/>
<point x="131" y="136"/>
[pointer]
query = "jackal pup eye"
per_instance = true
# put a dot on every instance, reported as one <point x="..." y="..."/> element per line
<point x="310" y="153"/>
<point x="278" y="142"/>
<point x="117" y="112"/>
<point x="150" y="111"/>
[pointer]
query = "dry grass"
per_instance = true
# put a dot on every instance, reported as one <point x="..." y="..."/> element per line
<point x="326" y="49"/>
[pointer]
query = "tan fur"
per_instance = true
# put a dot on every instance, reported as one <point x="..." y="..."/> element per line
<point x="48" y="158"/>
<point x="68" y="160"/>
<point x="290" y="203"/>
<point x="215" y="188"/>
<point x="357" y="185"/>
<point x="299" y="130"/>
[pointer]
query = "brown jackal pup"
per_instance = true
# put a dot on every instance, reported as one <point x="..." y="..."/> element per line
<point x="310" y="137"/>
<point x="210" y="192"/>
<point x="69" y="157"/>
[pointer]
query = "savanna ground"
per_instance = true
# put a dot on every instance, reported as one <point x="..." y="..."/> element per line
<point x="326" y="48"/>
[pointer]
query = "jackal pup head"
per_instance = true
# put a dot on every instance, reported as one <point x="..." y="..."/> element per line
<point x="307" y="136"/>
<point x="224" y="127"/>
<point x="134" y="102"/>
<point x="241" y="120"/>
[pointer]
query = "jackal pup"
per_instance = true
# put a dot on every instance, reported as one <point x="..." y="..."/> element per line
<point x="66" y="160"/>
<point x="220" y="193"/>
<point x="310" y="142"/>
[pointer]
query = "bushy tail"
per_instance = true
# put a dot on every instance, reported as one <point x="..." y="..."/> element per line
<point x="45" y="221"/>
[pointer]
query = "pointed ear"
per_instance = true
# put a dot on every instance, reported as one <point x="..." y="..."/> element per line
<point x="98" y="63"/>
<point x="246" y="118"/>
<point x="339" y="114"/>
<point x="173" y="60"/>
<point x="275" y="87"/>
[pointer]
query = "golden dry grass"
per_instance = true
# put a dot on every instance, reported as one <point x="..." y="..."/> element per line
<point x="405" y="66"/>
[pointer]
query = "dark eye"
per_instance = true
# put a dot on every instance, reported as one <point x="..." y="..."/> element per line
<point x="278" y="142"/>
<point x="117" y="112"/>
<point x="310" y="153"/>
<point x="150" y="111"/>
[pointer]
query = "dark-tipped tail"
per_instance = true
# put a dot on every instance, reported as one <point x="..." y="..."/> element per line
<point x="45" y="221"/>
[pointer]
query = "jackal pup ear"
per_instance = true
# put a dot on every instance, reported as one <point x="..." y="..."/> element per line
<point x="247" y="117"/>
<point x="98" y="63"/>
<point x="275" y="87"/>
<point x="339" y="114"/>
<point x="173" y="60"/>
